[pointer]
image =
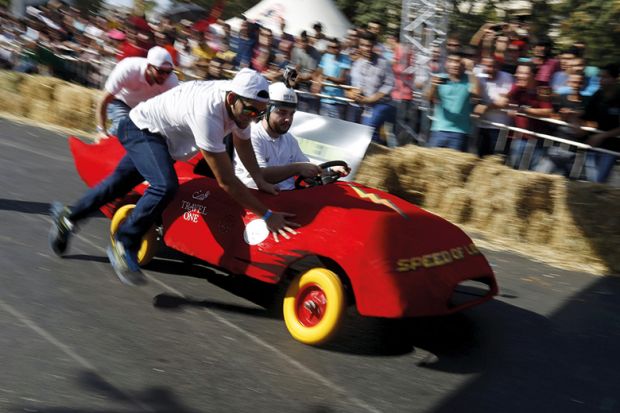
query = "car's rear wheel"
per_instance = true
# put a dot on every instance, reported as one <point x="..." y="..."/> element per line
<point x="148" y="246"/>
<point x="314" y="306"/>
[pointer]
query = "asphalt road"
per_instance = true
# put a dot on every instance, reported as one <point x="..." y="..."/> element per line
<point x="74" y="339"/>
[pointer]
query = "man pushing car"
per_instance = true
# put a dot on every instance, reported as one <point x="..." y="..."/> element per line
<point x="192" y="117"/>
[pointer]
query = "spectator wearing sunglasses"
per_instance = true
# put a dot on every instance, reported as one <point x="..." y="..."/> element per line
<point x="191" y="118"/>
<point x="134" y="80"/>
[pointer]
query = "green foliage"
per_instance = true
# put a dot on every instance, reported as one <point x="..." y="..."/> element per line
<point x="597" y="23"/>
<point x="360" y="12"/>
<point x="86" y="6"/>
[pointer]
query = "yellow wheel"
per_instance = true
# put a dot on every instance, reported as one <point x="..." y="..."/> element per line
<point x="314" y="306"/>
<point x="148" y="246"/>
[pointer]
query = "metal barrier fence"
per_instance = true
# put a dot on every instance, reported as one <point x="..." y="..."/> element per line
<point x="414" y="125"/>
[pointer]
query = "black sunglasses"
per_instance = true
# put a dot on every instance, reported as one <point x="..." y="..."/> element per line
<point x="250" y="110"/>
<point x="162" y="71"/>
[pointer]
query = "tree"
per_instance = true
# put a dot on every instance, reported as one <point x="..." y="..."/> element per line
<point x="595" y="22"/>
<point x="360" y="12"/>
<point x="86" y="6"/>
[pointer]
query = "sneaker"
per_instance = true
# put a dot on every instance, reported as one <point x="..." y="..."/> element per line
<point x="61" y="228"/>
<point x="125" y="264"/>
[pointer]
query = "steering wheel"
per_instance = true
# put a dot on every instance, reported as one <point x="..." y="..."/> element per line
<point x="327" y="177"/>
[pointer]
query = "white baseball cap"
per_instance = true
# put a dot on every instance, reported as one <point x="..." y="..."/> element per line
<point x="159" y="57"/>
<point x="249" y="84"/>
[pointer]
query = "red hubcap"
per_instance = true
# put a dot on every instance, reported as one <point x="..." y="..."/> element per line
<point x="310" y="305"/>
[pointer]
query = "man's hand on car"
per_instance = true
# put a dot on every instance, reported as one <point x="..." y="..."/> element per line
<point x="308" y="169"/>
<point x="278" y="224"/>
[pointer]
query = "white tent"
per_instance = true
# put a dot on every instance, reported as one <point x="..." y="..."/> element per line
<point x="299" y="15"/>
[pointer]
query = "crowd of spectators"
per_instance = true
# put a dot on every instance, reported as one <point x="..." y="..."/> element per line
<point x="502" y="75"/>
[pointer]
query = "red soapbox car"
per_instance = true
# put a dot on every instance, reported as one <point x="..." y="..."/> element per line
<point x="357" y="246"/>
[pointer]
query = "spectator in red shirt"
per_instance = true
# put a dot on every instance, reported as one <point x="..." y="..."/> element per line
<point x="525" y="100"/>
<point x="130" y="47"/>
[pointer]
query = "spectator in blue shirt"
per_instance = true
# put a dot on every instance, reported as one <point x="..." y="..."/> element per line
<point x="334" y="68"/>
<point x="451" y="94"/>
<point x="243" y="45"/>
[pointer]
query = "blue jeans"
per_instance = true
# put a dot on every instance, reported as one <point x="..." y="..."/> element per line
<point x="333" y="110"/>
<point x="452" y="140"/>
<point x="353" y="113"/>
<point x="517" y="150"/>
<point x="147" y="158"/>
<point x="599" y="166"/>
<point x="379" y="114"/>
<point x="117" y="110"/>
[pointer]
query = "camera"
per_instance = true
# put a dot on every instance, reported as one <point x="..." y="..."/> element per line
<point x="290" y="76"/>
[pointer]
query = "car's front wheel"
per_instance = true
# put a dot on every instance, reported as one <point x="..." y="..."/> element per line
<point x="314" y="306"/>
<point x="148" y="246"/>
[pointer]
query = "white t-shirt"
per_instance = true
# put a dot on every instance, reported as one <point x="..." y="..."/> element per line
<point x="127" y="82"/>
<point x="271" y="152"/>
<point x="491" y="89"/>
<point x="190" y="116"/>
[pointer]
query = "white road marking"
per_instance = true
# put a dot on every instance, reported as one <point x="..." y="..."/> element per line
<point x="67" y="350"/>
<point x="297" y="365"/>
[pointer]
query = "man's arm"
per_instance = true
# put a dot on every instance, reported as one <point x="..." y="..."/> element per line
<point x="598" y="138"/>
<point x="102" y="115"/>
<point x="385" y="90"/>
<point x="275" y="174"/>
<point x="246" y="154"/>
<point x="474" y="82"/>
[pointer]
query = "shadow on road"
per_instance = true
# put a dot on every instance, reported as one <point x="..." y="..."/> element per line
<point x="153" y="399"/>
<point x="173" y="302"/>
<point x="86" y="257"/>
<point x="565" y="363"/>
<point x="29" y="207"/>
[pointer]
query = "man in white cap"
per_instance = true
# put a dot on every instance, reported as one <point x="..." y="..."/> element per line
<point x="277" y="151"/>
<point x="193" y="117"/>
<point x="134" y="80"/>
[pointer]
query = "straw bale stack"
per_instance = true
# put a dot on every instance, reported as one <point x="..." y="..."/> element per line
<point x="9" y="81"/>
<point x="13" y="103"/>
<point x="75" y="106"/>
<point x="42" y="111"/>
<point x="419" y="175"/>
<point x="39" y="88"/>
<point x="593" y="211"/>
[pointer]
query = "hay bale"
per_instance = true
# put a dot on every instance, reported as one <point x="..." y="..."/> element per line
<point x="419" y="175"/>
<point x="444" y="169"/>
<point x="40" y="88"/>
<point x="595" y="222"/>
<point x="75" y="120"/>
<point x="13" y="103"/>
<point x="73" y="97"/>
<point x="9" y="81"/>
<point x="42" y="111"/>
<point x="74" y="106"/>
<point x="457" y="206"/>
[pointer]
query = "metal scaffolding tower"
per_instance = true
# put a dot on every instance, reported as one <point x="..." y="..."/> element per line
<point x="424" y="23"/>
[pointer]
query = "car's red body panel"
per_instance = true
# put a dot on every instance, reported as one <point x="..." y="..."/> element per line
<point x="400" y="259"/>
